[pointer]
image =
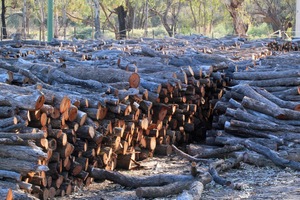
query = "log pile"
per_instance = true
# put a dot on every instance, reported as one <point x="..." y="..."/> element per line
<point x="260" y="112"/>
<point x="281" y="45"/>
<point x="107" y="104"/>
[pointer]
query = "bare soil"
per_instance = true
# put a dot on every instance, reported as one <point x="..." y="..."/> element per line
<point x="257" y="182"/>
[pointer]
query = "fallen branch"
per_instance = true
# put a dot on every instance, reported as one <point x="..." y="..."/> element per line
<point x="187" y="156"/>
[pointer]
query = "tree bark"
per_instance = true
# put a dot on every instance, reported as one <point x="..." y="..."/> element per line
<point x="135" y="182"/>
<point x="122" y="13"/>
<point x="3" y="20"/>
<point x="97" y="19"/>
<point x="233" y="6"/>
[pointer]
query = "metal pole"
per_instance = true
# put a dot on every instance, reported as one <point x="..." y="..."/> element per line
<point x="298" y="18"/>
<point x="50" y="20"/>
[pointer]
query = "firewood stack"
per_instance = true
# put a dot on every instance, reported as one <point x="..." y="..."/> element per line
<point x="105" y="105"/>
<point x="281" y="45"/>
<point x="260" y="111"/>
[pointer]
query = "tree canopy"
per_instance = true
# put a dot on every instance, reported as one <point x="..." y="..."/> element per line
<point x="95" y="18"/>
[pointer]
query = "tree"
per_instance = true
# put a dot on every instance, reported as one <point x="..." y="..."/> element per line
<point x="4" y="32"/>
<point x="235" y="9"/>
<point x="203" y="15"/>
<point x="169" y="14"/>
<point x="24" y="24"/>
<point x="41" y="17"/>
<point x="97" y="19"/>
<point x="121" y="12"/>
<point x="274" y="12"/>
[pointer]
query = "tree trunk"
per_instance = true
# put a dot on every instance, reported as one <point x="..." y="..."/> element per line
<point x="122" y="22"/>
<point x="64" y="11"/>
<point x="42" y="19"/>
<point x="24" y="25"/>
<point x="146" y="20"/>
<point x="233" y="6"/>
<point x="4" y="32"/>
<point x="97" y="19"/>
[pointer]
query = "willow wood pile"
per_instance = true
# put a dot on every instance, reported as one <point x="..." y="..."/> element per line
<point x="104" y="105"/>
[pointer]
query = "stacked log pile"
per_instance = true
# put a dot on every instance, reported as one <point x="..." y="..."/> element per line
<point x="97" y="104"/>
<point x="260" y="112"/>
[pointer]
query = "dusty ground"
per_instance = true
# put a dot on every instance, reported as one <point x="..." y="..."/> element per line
<point x="257" y="182"/>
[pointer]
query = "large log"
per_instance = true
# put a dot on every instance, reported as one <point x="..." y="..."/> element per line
<point x="103" y="75"/>
<point x="29" y="153"/>
<point x="163" y="191"/>
<point x="264" y="75"/>
<point x="10" y="175"/>
<point x="135" y="182"/>
<point x="22" y="98"/>
<point x="21" y="166"/>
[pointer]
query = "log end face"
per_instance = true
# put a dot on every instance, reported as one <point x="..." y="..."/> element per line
<point x="40" y="102"/>
<point x="297" y="108"/>
<point x="134" y="80"/>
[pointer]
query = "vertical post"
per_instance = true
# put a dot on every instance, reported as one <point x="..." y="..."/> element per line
<point x="50" y="20"/>
<point x="298" y="18"/>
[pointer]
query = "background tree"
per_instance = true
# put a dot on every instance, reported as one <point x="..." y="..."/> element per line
<point x="274" y="12"/>
<point x="235" y="8"/>
<point x="96" y="6"/>
<point x="3" y="21"/>
<point x="168" y="12"/>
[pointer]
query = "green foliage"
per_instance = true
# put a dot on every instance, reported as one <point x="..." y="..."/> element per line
<point x="208" y="17"/>
<point x="259" y="31"/>
<point x="84" y="33"/>
<point x="222" y="30"/>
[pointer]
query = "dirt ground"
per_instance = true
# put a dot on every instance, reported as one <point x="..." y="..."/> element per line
<point x="257" y="182"/>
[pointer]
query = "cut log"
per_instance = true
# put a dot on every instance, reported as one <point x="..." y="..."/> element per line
<point x="135" y="182"/>
<point x="272" y="155"/>
<point x="21" y="166"/>
<point x="10" y="175"/>
<point x="104" y="75"/>
<point x="163" y="191"/>
<point x="194" y="192"/>
<point x="22" y="152"/>
<point x="24" y="99"/>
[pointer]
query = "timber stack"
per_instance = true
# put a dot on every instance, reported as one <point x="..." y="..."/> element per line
<point x="259" y="111"/>
<point x="73" y="106"/>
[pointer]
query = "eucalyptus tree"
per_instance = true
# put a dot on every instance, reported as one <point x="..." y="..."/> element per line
<point x="168" y="11"/>
<point x="41" y="6"/>
<point x="96" y="15"/>
<point x="237" y="12"/>
<point x="277" y="13"/>
<point x="204" y="14"/>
